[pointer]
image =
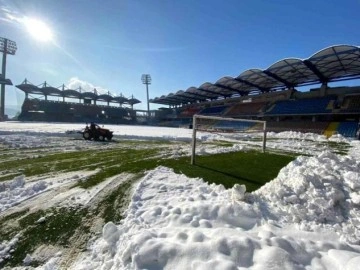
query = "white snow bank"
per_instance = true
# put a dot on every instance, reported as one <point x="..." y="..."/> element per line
<point x="26" y="141"/>
<point x="306" y="218"/>
<point x="322" y="191"/>
<point x="49" y="190"/>
<point x="297" y="135"/>
<point x="6" y="247"/>
<point x="300" y="220"/>
<point x="14" y="191"/>
<point x="354" y="150"/>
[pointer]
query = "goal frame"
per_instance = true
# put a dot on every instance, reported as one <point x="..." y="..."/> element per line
<point x="194" y="127"/>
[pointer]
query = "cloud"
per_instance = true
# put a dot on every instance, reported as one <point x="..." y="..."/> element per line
<point x="76" y="83"/>
<point x="10" y="16"/>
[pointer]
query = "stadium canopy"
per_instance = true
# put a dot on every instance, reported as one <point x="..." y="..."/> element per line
<point x="5" y="81"/>
<point x="89" y="95"/>
<point x="335" y="63"/>
<point x="46" y="90"/>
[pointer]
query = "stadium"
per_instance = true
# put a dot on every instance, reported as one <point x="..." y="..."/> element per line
<point x="137" y="202"/>
<point x="248" y="159"/>
<point x="269" y="95"/>
<point x="85" y="110"/>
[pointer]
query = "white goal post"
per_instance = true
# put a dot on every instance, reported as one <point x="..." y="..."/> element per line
<point x="196" y="126"/>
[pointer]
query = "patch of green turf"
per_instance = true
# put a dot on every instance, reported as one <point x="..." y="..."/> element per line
<point x="79" y="160"/>
<point x="8" y="225"/>
<point x="252" y="168"/>
<point x="112" y="206"/>
<point x="9" y="177"/>
<point x="59" y="227"/>
<point x="220" y="143"/>
<point x="340" y="148"/>
<point x="14" y="215"/>
<point x="122" y="162"/>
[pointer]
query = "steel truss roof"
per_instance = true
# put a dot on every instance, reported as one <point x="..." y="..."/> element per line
<point x="47" y="90"/>
<point x="335" y="63"/>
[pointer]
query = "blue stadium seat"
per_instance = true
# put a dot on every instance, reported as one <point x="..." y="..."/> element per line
<point x="347" y="129"/>
<point x="302" y="106"/>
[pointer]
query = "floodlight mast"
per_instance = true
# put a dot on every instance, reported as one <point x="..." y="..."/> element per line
<point x="146" y="79"/>
<point x="6" y="47"/>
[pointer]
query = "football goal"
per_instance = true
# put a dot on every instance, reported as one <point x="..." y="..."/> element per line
<point x="226" y="126"/>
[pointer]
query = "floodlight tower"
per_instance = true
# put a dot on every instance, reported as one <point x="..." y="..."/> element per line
<point x="146" y="79"/>
<point x="6" y="47"/>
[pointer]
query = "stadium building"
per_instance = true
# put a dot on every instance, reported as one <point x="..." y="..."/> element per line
<point x="47" y="103"/>
<point x="271" y="95"/>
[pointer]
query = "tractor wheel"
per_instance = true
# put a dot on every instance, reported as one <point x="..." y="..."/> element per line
<point x="101" y="138"/>
<point x="87" y="135"/>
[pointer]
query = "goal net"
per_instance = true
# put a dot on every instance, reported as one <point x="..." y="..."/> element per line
<point x="226" y="127"/>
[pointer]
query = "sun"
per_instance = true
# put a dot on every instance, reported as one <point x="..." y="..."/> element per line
<point x="38" y="29"/>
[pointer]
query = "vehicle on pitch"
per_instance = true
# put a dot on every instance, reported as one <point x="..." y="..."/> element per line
<point x="97" y="133"/>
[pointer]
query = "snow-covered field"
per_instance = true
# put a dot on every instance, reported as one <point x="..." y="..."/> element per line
<point x="308" y="217"/>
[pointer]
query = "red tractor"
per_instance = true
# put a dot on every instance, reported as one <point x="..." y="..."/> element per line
<point x="96" y="133"/>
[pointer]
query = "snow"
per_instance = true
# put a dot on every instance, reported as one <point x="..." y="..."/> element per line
<point x="308" y="217"/>
<point x="174" y="222"/>
<point x="125" y="131"/>
<point x="6" y="247"/>
<point x="15" y="191"/>
<point x="27" y="259"/>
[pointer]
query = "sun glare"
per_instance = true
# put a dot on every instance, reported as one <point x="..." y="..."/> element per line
<point x="38" y="29"/>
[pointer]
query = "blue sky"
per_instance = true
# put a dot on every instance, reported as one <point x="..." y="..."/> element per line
<point x="110" y="44"/>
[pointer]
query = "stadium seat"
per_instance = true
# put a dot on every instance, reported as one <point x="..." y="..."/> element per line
<point x="301" y="106"/>
<point x="347" y="129"/>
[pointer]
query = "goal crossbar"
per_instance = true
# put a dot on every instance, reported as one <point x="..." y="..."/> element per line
<point x="195" y="128"/>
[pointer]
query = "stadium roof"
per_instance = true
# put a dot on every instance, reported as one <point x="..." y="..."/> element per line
<point x="335" y="63"/>
<point x="5" y="81"/>
<point x="47" y="90"/>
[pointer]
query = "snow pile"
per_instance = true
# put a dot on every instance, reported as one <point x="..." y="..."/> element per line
<point x="27" y="141"/>
<point x="14" y="191"/>
<point x="208" y="149"/>
<point x="174" y="222"/>
<point x="339" y="138"/>
<point x="306" y="218"/>
<point x="27" y="259"/>
<point x="77" y="196"/>
<point x="6" y="247"/>
<point x="354" y="150"/>
<point x="316" y="191"/>
<point x="52" y="190"/>
<point x="297" y="135"/>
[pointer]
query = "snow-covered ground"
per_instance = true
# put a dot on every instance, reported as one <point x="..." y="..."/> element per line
<point x="308" y="217"/>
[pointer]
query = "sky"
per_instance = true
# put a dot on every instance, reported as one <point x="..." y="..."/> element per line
<point x="108" y="45"/>
<point x="306" y="218"/>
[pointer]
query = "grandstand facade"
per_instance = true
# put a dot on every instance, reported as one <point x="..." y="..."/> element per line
<point x="46" y="103"/>
<point x="271" y="95"/>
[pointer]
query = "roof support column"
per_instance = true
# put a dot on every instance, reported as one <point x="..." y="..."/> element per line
<point x="62" y="89"/>
<point x="323" y="89"/>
